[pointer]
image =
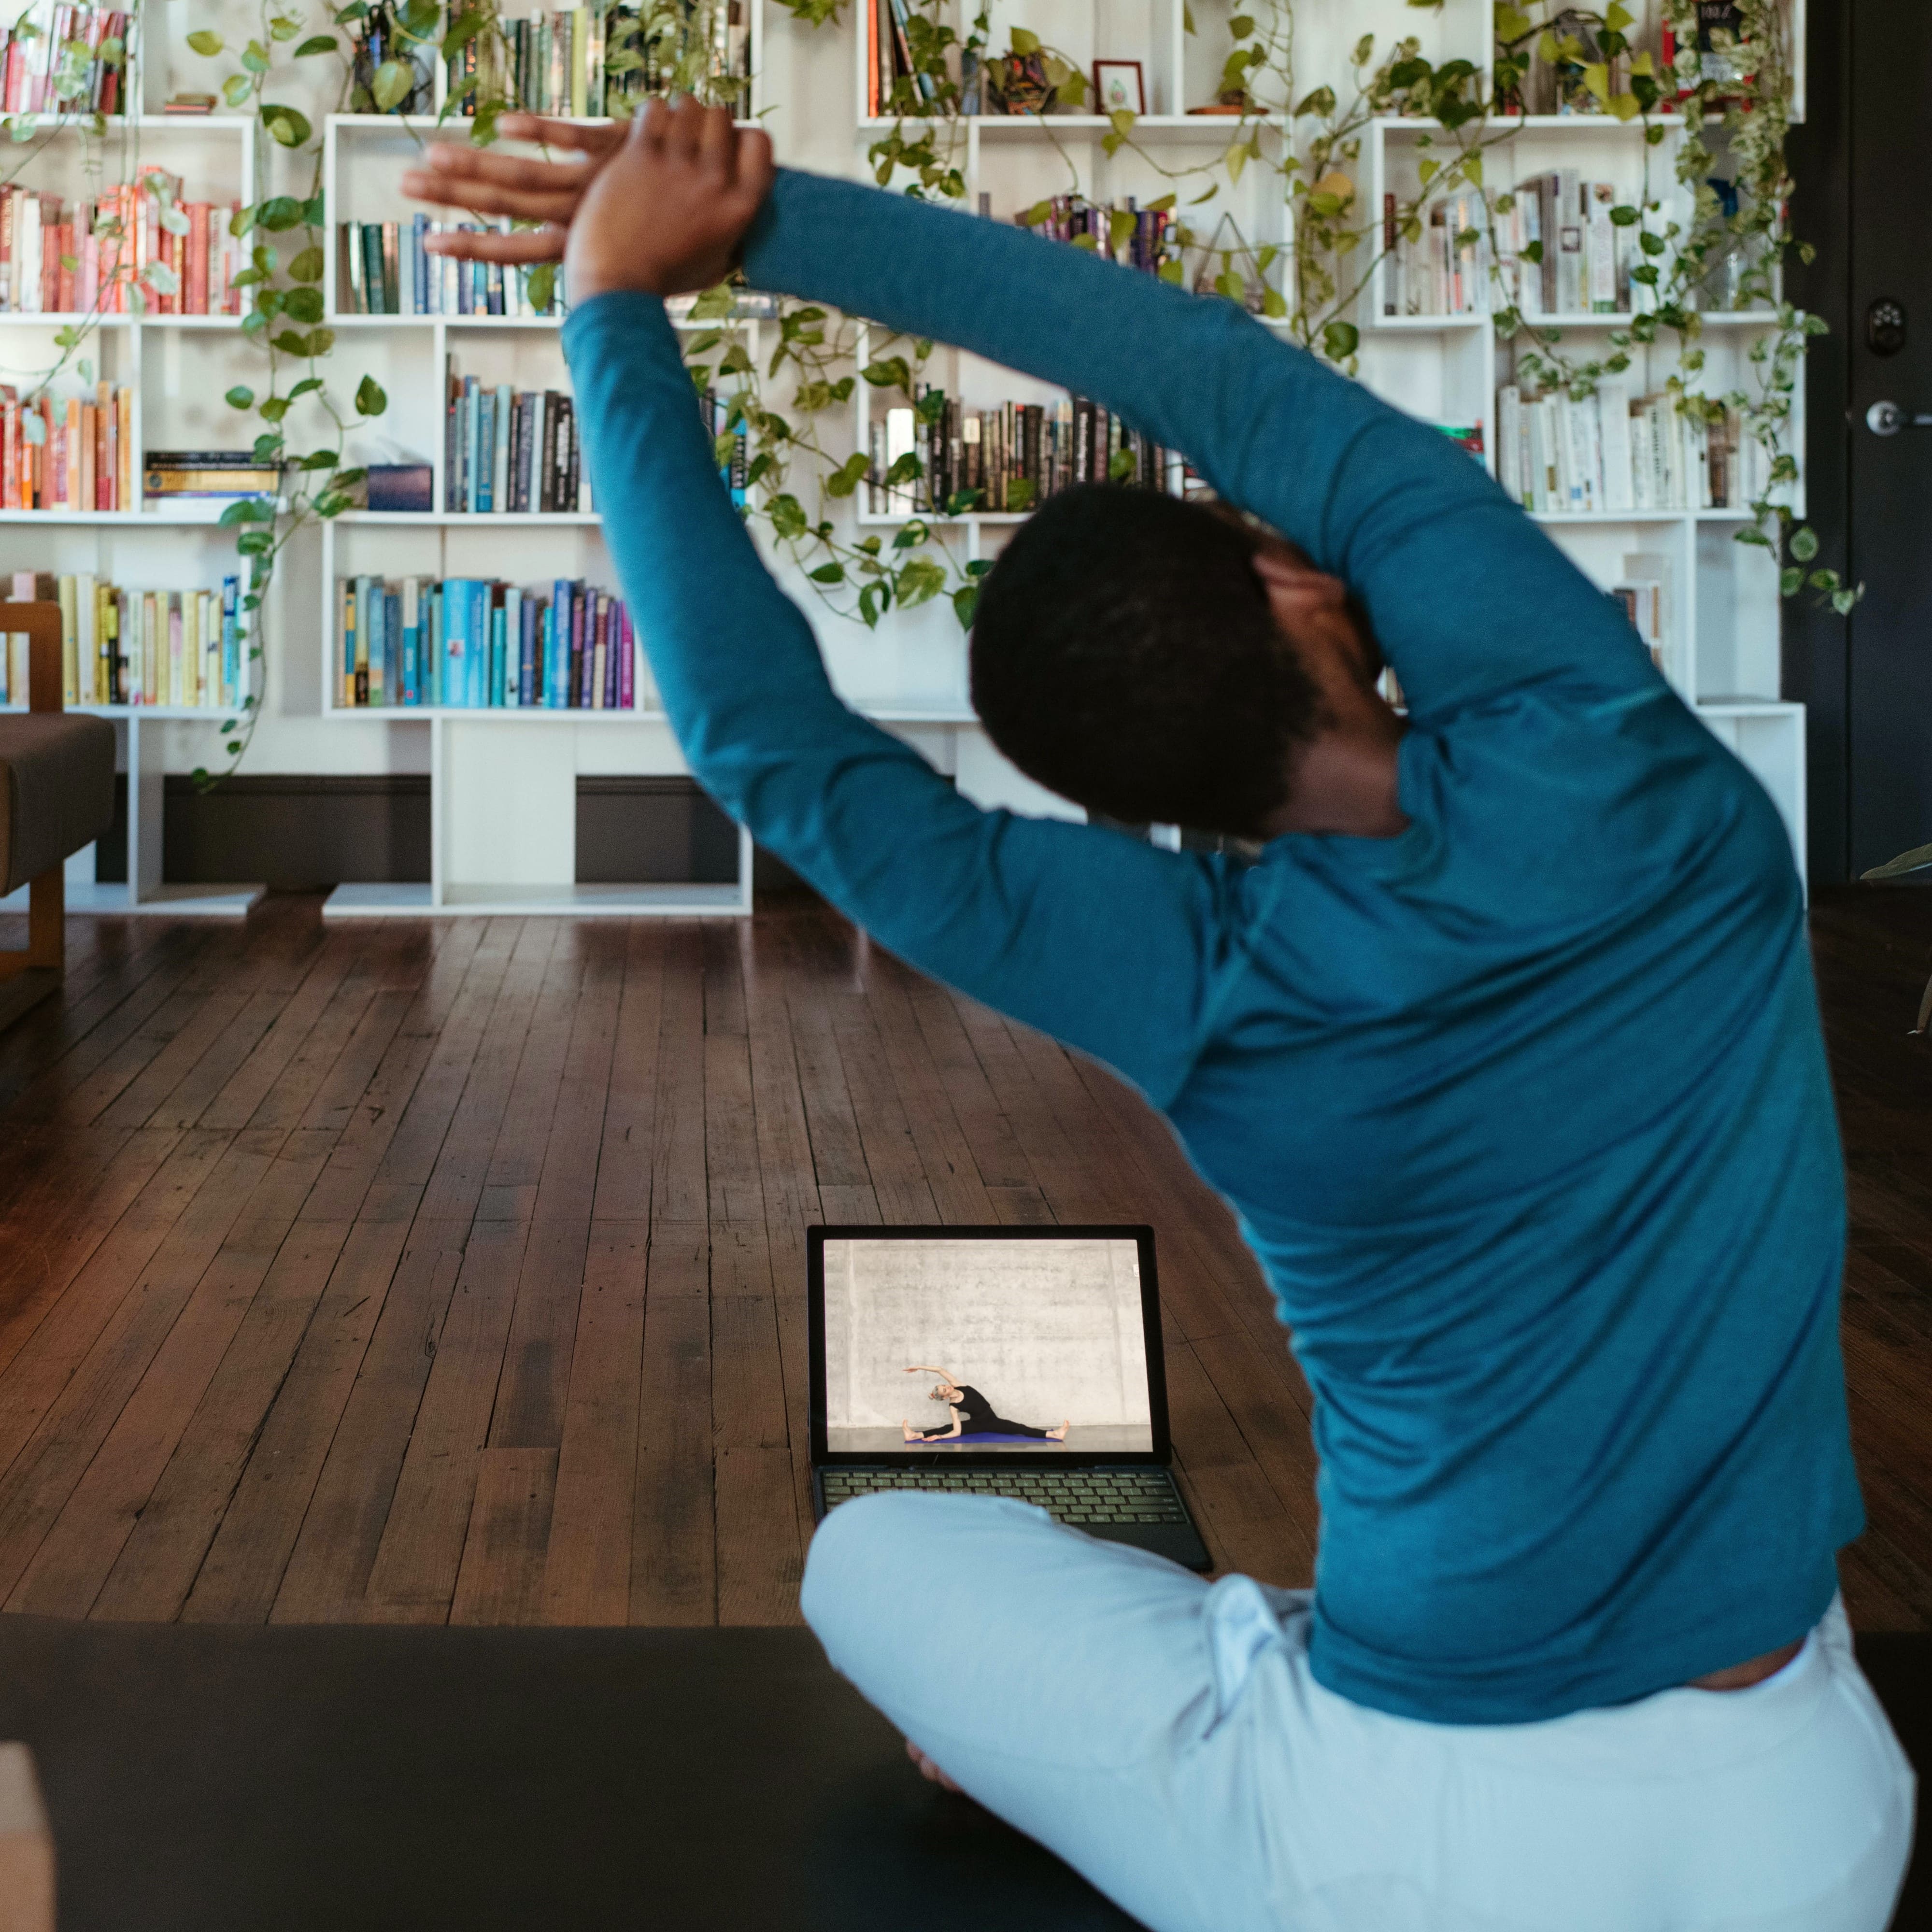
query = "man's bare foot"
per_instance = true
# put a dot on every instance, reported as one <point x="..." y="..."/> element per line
<point x="1059" y="1435"/>
<point x="928" y="1769"/>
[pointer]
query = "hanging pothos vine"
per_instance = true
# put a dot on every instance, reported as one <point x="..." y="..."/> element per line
<point x="1311" y="139"/>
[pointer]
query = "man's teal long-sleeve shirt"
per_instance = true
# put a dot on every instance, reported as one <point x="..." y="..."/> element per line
<point x="1525" y="1110"/>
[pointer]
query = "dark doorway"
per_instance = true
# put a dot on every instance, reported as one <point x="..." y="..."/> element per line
<point x="1864" y="183"/>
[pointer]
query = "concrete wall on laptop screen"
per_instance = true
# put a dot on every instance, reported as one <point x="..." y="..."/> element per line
<point x="1046" y="1330"/>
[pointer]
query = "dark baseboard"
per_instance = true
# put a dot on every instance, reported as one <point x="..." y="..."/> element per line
<point x="302" y="832"/>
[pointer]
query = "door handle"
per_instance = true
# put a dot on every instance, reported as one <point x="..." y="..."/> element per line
<point x="1889" y="418"/>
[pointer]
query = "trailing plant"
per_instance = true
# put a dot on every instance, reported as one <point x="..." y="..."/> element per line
<point x="793" y="410"/>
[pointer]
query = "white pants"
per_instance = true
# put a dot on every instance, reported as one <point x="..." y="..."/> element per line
<point x="1166" y="1737"/>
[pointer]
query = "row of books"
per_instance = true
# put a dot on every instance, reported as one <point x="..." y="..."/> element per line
<point x="1561" y="71"/>
<point x="1610" y="453"/>
<point x="73" y="61"/>
<point x="590" y="60"/>
<point x="1586" y="257"/>
<point x="507" y="449"/>
<point x="74" y="455"/>
<point x="1150" y="244"/>
<point x="1557" y="251"/>
<point x="889" y="57"/>
<point x="123" y="647"/>
<point x="481" y="644"/>
<point x="1007" y="458"/>
<point x="1443" y="271"/>
<point x="87" y="258"/>
<point x="383" y="268"/>
<point x="170" y="475"/>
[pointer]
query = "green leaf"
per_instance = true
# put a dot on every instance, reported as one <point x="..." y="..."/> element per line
<point x="303" y="305"/>
<point x="395" y="82"/>
<point x="1916" y="860"/>
<point x="249" y="510"/>
<point x="965" y="601"/>
<point x="1025" y="43"/>
<point x="321" y="459"/>
<point x="1804" y="544"/>
<point x="919" y="579"/>
<point x="275" y="409"/>
<point x="828" y="573"/>
<point x="846" y="478"/>
<point x="305" y="386"/>
<point x="203" y="42"/>
<point x="1241" y="25"/>
<point x="279" y="212"/>
<point x="462" y="30"/>
<point x="316" y="43"/>
<point x="1790" y="582"/>
<point x="255" y="543"/>
<point x="291" y="342"/>
<point x="1020" y="493"/>
<point x="1339" y="341"/>
<point x="370" y="399"/>
<point x="288" y="127"/>
<point x="240" y="397"/>
<point x="255" y="58"/>
<point x="236" y="89"/>
<point x="542" y="286"/>
<point x="268" y="448"/>
<point x="307" y="267"/>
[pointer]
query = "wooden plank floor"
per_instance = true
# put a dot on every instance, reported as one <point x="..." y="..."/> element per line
<point x="453" y="1271"/>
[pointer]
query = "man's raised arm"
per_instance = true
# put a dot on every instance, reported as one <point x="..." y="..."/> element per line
<point x="1097" y="938"/>
<point x="1465" y="594"/>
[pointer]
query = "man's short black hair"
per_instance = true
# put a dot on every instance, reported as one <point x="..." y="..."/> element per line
<point x="1124" y="655"/>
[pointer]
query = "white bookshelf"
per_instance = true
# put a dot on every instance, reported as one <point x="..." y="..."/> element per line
<point x="1722" y="644"/>
<point x="176" y="366"/>
<point x="1723" y="640"/>
<point x="502" y="782"/>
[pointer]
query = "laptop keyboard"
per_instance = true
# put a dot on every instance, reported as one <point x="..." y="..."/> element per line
<point x="1076" y="1496"/>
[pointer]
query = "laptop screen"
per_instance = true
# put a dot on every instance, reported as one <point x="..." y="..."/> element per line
<point x="987" y="1343"/>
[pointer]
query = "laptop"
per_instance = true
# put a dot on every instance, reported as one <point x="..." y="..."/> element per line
<point x="1021" y="1362"/>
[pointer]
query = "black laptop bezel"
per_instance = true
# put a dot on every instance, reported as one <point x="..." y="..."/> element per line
<point x="1159" y="1456"/>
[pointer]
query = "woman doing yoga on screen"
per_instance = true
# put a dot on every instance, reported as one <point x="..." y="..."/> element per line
<point x="972" y="1413"/>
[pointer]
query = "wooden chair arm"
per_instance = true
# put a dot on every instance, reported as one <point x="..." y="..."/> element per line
<point x="46" y="675"/>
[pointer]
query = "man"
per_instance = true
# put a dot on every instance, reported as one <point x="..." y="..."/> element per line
<point x="1504" y="1047"/>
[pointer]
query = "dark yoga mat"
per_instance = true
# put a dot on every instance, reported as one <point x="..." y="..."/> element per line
<point x="226" y="1779"/>
<point x="222" y="1779"/>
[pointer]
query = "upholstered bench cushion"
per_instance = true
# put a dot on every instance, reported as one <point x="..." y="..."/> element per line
<point x="56" y="790"/>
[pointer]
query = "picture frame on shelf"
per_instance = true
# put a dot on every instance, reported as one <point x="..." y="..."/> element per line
<point x="1119" y="86"/>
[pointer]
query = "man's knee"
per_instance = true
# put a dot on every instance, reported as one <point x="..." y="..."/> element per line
<point x="882" y="1556"/>
<point x="861" y="1561"/>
